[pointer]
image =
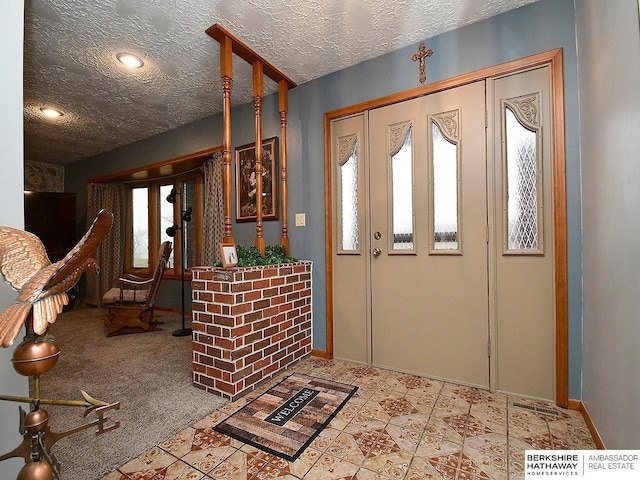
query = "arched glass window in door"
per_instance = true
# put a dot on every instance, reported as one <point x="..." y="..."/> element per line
<point x="522" y="176"/>
<point x="402" y="188"/>
<point x="444" y="183"/>
<point x="349" y="231"/>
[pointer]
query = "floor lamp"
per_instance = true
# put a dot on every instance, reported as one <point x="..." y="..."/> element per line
<point x="185" y="216"/>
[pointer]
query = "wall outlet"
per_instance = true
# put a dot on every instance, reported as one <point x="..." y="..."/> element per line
<point x="301" y="220"/>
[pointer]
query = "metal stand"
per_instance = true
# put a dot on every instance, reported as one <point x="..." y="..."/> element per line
<point x="182" y="332"/>
<point x="185" y="216"/>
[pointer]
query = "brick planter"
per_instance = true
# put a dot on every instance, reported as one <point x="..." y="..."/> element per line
<point x="248" y="324"/>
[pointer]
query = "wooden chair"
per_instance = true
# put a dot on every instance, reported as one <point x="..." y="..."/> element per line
<point x="131" y="300"/>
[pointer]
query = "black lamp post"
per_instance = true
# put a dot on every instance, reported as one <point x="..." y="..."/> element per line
<point x="185" y="216"/>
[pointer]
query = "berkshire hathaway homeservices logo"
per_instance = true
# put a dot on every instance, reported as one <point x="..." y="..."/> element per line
<point x="582" y="464"/>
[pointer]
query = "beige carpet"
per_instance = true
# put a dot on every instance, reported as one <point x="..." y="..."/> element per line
<point x="149" y="374"/>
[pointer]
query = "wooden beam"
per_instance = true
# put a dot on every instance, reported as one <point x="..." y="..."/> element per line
<point x="164" y="168"/>
<point x="226" y="57"/>
<point x="243" y="51"/>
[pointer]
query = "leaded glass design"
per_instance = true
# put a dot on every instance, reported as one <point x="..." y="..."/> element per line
<point x="348" y="177"/>
<point x="523" y="176"/>
<point x="445" y="182"/>
<point x="402" y="187"/>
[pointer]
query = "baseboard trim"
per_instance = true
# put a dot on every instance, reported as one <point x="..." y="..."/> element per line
<point x="582" y="408"/>
<point x="575" y="405"/>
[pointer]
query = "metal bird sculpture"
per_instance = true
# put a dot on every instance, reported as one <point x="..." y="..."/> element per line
<point x="42" y="285"/>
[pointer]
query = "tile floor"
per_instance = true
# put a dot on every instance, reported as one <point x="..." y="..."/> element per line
<point x="397" y="426"/>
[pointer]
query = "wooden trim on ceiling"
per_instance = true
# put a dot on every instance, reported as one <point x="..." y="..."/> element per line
<point x="550" y="57"/>
<point x="165" y="168"/>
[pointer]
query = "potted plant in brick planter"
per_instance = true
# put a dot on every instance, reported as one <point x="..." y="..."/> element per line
<point x="251" y="256"/>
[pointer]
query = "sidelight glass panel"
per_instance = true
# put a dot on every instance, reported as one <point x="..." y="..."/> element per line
<point x="349" y="201"/>
<point x="140" y="222"/>
<point x="445" y="191"/>
<point x="402" y="195"/>
<point x="522" y="185"/>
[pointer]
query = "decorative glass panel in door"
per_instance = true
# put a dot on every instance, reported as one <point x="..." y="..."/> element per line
<point x="348" y="187"/>
<point x="401" y="165"/>
<point x="523" y="168"/>
<point x="444" y="180"/>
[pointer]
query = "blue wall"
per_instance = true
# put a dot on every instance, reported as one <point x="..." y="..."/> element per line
<point x="538" y="27"/>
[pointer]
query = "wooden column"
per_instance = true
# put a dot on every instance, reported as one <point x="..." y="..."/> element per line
<point x="229" y="45"/>
<point x="283" y="107"/>
<point x="258" y="93"/>
<point x="226" y="73"/>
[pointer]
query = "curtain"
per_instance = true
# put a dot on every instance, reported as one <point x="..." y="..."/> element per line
<point x="213" y="218"/>
<point x="110" y="254"/>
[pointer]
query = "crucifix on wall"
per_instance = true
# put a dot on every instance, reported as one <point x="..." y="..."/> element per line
<point x="420" y="56"/>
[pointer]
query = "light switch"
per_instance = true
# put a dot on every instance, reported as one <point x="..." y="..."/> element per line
<point x="301" y="220"/>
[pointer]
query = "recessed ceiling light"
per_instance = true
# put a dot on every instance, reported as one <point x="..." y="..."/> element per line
<point x="129" y="60"/>
<point x="51" y="112"/>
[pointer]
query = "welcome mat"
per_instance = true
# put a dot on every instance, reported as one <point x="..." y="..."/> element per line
<point x="289" y="416"/>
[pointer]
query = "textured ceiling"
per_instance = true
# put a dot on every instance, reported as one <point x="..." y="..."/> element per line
<point x="71" y="46"/>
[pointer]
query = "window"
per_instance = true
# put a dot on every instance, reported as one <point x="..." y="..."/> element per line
<point x="348" y="186"/>
<point x="444" y="212"/>
<point x="151" y="215"/>
<point x="140" y="221"/>
<point x="522" y="189"/>
<point x="401" y="174"/>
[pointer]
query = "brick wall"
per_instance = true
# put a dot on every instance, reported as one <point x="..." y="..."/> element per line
<point x="249" y="323"/>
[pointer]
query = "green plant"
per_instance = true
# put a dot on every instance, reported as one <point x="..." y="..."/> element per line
<point x="251" y="256"/>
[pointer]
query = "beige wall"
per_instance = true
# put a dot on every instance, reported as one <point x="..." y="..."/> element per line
<point x="608" y="43"/>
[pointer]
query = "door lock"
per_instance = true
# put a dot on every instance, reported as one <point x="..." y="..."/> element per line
<point x="377" y="235"/>
<point x="376" y="252"/>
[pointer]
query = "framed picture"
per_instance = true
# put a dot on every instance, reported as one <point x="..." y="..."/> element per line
<point x="246" y="181"/>
<point x="228" y="254"/>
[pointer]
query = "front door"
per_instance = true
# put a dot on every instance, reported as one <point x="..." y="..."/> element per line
<point x="428" y="210"/>
<point x="443" y="243"/>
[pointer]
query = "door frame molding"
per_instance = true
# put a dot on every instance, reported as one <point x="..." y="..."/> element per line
<point x="553" y="58"/>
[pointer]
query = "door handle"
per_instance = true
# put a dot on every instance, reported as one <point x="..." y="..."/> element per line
<point x="376" y="252"/>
